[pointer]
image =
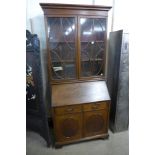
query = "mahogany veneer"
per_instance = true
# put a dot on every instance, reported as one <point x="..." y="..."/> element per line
<point x="76" y="44"/>
<point x="80" y="111"/>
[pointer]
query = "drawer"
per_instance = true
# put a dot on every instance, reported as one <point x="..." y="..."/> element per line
<point x="67" y="109"/>
<point x="95" y="106"/>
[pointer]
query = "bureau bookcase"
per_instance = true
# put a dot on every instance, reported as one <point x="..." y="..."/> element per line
<point x="76" y="44"/>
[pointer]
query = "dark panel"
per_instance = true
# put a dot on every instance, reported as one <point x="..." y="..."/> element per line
<point x="113" y="69"/>
<point x="122" y="111"/>
<point x="124" y="64"/>
<point x="36" y="111"/>
<point x="118" y="80"/>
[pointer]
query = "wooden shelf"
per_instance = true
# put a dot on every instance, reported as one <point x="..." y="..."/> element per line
<point x="62" y="42"/>
<point x="99" y="41"/>
<point x="73" y="61"/>
<point x="65" y="61"/>
<point x="92" y="60"/>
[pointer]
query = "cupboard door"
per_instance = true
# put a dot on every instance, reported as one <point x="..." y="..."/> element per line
<point x="92" y="46"/>
<point x="62" y="47"/>
<point x="95" y="122"/>
<point x="68" y="127"/>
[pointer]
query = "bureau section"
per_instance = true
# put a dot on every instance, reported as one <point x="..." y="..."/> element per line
<point x="79" y="122"/>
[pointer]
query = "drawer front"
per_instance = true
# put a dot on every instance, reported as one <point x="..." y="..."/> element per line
<point x="95" y="106"/>
<point x="67" y="109"/>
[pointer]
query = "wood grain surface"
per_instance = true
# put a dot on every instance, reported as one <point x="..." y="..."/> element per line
<point x="78" y="93"/>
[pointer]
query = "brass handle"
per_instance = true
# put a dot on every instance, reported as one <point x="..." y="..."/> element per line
<point x="94" y="107"/>
<point x="69" y="109"/>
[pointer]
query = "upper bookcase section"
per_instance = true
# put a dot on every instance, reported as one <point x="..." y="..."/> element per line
<point x="60" y="9"/>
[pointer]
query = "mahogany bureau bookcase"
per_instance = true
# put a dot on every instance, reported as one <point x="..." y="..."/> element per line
<point x="76" y="44"/>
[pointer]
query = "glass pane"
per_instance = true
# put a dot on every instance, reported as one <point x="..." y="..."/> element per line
<point x="92" y="46"/>
<point x="61" y="35"/>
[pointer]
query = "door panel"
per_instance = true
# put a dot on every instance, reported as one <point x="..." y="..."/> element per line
<point x="62" y="47"/>
<point x="92" y="45"/>
<point x="68" y="127"/>
<point x="95" y="122"/>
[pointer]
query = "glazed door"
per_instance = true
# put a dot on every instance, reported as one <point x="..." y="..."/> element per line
<point x="77" y="47"/>
<point x="95" y="122"/>
<point x="92" y="46"/>
<point x="62" y="47"/>
<point x="68" y="127"/>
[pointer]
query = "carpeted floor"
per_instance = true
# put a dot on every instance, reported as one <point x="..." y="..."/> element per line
<point x="117" y="144"/>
